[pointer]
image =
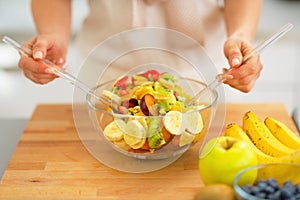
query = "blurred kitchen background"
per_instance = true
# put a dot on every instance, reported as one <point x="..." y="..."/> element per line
<point x="279" y="81"/>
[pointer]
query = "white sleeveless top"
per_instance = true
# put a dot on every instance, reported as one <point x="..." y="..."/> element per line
<point x="200" y="19"/>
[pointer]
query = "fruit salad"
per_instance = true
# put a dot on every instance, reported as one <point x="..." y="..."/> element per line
<point x="150" y="113"/>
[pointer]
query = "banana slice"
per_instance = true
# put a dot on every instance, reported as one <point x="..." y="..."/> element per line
<point x="122" y="144"/>
<point x="113" y="132"/>
<point x="111" y="96"/>
<point x="186" y="138"/>
<point x="143" y="123"/>
<point x="138" y="145"/>
<point x="135" y="135"/>
<point x="192" y="122"/>
<point x="173" y="122"/>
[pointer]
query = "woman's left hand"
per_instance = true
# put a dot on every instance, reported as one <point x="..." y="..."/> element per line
<point x="242" y="75"/>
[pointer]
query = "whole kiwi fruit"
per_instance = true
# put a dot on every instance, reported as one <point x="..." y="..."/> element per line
<point x="215" y="192"/>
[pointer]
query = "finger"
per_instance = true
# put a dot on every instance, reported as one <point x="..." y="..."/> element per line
<point x="250" y="68"/>
<point x="244" y="84"/>
<point x="29" y="64"/>
<point x="61" y="63"/>
<point x="39" y="78"/>
<point x="41" y="75"/>
<point x="39" y="48"/>
<point x="233" y="53"/>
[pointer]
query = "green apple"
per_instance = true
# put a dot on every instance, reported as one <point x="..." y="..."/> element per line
<point x="223" y="157"/>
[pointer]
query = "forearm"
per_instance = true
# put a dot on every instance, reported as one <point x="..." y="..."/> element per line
<point x="242" y="17"/>
<point x="53" y="17"/>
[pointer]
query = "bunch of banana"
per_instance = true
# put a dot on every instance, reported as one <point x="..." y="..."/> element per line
<point x="283" y="133"/>
<point x="262" y="137"/>
<point x="237" y="132"/>
<point x="272" y="141"/>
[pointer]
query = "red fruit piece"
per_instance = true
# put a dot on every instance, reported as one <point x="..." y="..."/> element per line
<point x="175" y="141"/>
<point x="148" y="105"/>
<point x="125" y="104"/>
<point x="154" y="75"/>
<point x="130" y="103"/>
<point x="123" y="92"/>
<point x="175" y="94"/>
<point x="122" y="82"/>
<point x="151" y="74"/>
<point x="133" y="102"/>
<point x="122" y="110"/>
<point x="146" y="145"/>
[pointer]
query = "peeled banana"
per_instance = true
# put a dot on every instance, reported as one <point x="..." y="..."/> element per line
<point x="282" y="133"/>
<point x="261" y="136"/>
<point x="237" y="132"/>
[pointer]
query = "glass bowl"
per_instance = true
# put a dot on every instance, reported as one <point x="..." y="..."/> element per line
<point x="281" y="172"/>
<point x="132" y="52"/>
<point x="137" y="145"/>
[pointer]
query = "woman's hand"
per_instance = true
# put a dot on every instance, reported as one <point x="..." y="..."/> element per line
<point x="43" y="46"/>
<point x="242" y="76"/>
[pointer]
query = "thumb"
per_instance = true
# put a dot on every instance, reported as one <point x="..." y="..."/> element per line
<point x="39" y="48"/>
<point x="235" y="57"/>
<point x="233" y="54"/>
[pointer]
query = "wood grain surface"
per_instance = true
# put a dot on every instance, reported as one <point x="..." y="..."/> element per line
<point x="50" y="162"/>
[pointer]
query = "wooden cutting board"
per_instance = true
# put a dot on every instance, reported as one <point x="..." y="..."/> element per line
<point x="50" y="162"/>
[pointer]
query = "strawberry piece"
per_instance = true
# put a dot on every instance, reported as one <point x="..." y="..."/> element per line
<point x="122" y="110"/>
<point x="151" y="74"/>
<point x="146" y="145"/>
<point x="175" y="94"/>
<point x="125" y="104"/>
<point x="124" y="81"/>
<point x="123" y="93"/>
<point x="175" y="141"/>
<point x="155" y="77"/>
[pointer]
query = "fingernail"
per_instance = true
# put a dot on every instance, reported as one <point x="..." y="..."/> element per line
<point x="235" y="61"/>
<point x="224" y="70"/>
<point x="38" y="55"/>
<point x="229" y="77"/>
<point x="48" y="71"/>
<point x="61" y="60"/>
<point x="64" y="67"/>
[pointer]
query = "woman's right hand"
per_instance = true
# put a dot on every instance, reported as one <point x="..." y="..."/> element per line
<point x="43" y="46"/>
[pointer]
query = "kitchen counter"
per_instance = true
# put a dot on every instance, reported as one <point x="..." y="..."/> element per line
<point x="11" y="130"/>
<point x="50" y="162"/>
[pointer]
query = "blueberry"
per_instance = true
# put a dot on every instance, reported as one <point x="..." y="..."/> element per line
<point x="289" y="187"/>
<point x="269" y="190"/>
<point x="274" y="196"/>
<point x="286" y="193"/>
<point x="273" y="183"/>
<point x="261" y="195"/>
<point x="255" y="191"/>
<point x="288" y="184"/>
<point x="261" y="184"/>
<point x="297" y="188"/>
<point x="247" y="188"/>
